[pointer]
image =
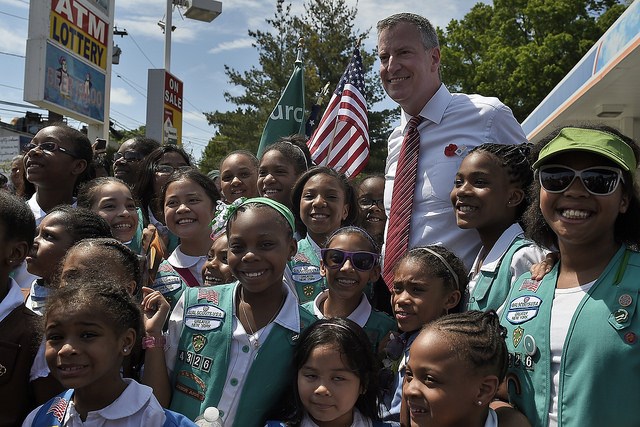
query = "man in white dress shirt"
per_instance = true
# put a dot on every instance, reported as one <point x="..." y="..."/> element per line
<point x="452" y="125"/>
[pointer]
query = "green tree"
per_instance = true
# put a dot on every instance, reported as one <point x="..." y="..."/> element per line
<point x="327" y="30"/>
<point x="518" y="50"/>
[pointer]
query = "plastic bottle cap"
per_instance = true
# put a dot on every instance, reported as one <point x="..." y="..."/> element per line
<point x="211" y="414"/>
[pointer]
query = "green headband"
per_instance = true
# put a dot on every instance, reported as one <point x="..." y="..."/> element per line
<point x="282" y="209"/>
<point x="594" y="141"/>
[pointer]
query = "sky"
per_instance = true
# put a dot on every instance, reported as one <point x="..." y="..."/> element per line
<point x="199" y="53"/>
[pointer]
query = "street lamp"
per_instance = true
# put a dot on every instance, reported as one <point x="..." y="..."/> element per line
<point x="200" y="10"/>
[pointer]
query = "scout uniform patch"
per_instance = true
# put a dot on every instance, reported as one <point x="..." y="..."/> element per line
<point x="199" y="341"/>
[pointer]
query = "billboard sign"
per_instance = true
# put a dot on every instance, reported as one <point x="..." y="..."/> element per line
<point x="164" y="107"/>
<point x="68" y="57"/>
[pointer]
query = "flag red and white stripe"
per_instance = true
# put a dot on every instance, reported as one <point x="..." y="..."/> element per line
<point x="341" y="140"/>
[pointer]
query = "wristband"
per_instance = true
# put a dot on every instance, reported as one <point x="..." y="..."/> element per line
<point x="153" y="342"/>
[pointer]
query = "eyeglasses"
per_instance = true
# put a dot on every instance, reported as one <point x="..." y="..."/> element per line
<point x="47" y="147"/>
<point x="128" y="156"/>
<point x="598" y="180"/>
<point x="361" y="260"/>
<point x="366" y="203"/>
<point x="168" y="169"/>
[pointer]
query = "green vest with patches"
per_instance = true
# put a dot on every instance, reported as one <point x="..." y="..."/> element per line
<point x="204" y="351"/>
<point x="600" y="367"/>
<point x="169" y="282"/>
<point x="492" y="287"/>
<point x="305" y="271"/>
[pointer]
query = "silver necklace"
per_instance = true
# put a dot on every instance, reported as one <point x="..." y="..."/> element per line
<point x="254" y="336"/>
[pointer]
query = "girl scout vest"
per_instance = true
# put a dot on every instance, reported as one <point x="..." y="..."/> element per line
<point x="169" y="283"/>
<point x="204" y="350"/>
<point x="600" y="368"/>
<point x="499" y="281"/>
<point x="305" y="270"/>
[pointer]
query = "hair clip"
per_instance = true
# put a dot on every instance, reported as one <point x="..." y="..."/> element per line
<point x="223" y="213"/>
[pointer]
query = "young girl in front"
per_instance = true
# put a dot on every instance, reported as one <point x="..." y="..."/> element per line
<point x="573" y="336"/>
<point x="90" y="326"/>
<point x="189" y="199"/>
<point x="238" y="176"/>
<point x="428" y="282"/>
<point x="336" y="380"/>
<point x="323" y="200"/>
<point x="58" y="231"/>
<point x="457" y="363"/>
<point x="351" y="262"/>
<point x="489" y="196"/>
<point x="230" y="346"/>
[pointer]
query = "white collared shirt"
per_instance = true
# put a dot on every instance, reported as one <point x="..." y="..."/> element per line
<point x="135" y="407"/>
<point x="466" y="121"/>
<point x="38" y="213"/>
<point x="360" y="315"/>
<point x="179" y="259"/>
<point x="239" y="361"/>
<point x="358" y="420"/>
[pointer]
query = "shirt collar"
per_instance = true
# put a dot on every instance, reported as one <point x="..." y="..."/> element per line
<point x="13" y="299"/>
<point x="433" y="110"/>
<point x="288" y="317"/>
<point x="180" y="260"/>
<point x="360" y="315"/>
<point x="492" y="260"/>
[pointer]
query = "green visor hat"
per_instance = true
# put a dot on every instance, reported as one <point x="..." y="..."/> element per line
<point x="594" y="141"/>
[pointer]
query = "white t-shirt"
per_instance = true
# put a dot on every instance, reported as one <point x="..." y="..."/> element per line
<point x="565" y="303"/>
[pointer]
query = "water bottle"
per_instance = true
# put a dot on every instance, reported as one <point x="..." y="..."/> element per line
<point x="210" y="418"/>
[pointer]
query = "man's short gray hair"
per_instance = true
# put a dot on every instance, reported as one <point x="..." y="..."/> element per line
<point x="428" y="33"/>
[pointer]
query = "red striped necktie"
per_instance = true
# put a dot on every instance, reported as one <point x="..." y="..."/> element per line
<point x="402" y="199"/>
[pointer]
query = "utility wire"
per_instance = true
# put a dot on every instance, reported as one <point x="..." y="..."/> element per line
<point x="14" y="16"/>
<point x="12" y="54"/>
<point x="140" y="49"/>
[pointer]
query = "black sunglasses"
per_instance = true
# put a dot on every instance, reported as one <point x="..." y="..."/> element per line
<point x="128" y="156"/>
<point x="47" y="147"/>
<point x="598" y="180"/>
<point x="361" y="260"/>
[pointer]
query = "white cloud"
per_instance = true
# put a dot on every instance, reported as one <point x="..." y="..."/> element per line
<point x="195" y="117"/>
<point x="11" y="42"/>
<point x="232" y="45"/>
<point x="121" y="96"/>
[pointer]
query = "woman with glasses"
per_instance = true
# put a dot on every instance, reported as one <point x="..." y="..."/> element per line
<point x="128" y="159"/>
<point x="155" y="169"/>
<point x="573" y="336"/>
<point x="57" y="160"/>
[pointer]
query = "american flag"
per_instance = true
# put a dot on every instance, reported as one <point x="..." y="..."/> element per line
<point x="58" y="408"/>
<point x="341" y="141"/>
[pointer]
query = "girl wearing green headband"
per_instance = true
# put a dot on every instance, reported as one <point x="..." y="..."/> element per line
<point x="231" y="346"/>
<point x="573" y="337"/>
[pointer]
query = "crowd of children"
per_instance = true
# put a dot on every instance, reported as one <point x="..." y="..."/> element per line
<point x="149" y="297"/>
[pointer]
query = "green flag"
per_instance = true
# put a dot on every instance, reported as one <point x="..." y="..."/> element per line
<point x="288" y="116"/>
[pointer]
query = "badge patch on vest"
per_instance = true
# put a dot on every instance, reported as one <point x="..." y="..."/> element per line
<point x="306" y="273"/>
<point x="517" y="336"/>
<point x="190" y="391"/>
<point x="208" y="294"/>
<point x="198" y="341"/>
<point x="203" y="317"/>
<point x="523" y="309"/>
<point x="166" y="284"/>
<point x="530" y="285"/>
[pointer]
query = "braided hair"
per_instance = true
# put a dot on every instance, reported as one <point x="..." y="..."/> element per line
<point x="514" y="158"/>
<point x="478" y="340"/>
